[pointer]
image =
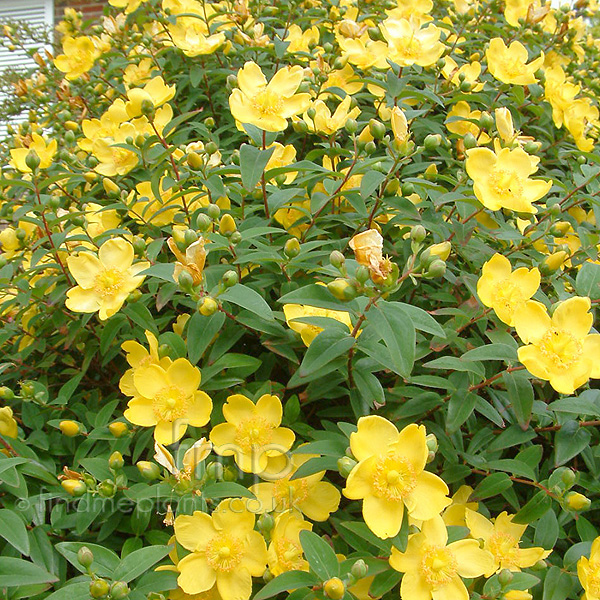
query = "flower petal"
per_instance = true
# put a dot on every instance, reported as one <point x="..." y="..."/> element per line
<point x="428" y="498"/>
<point x="269" y="407"/>
<point x="223" y="438"/>
<point x="412" y="445"/>
<point x="383" y="517"/>
<point x="322" y="500"/>
<point x="150" y="380"/>
<point x="184" y="375"/>
<point x="573" y="316"/>
<point x="140" y="412"/>
<point x="453" y="590"/>
<point x="373" y="436"/>
<point x="196" y="574"/>
<point x="471" y="560"/>
<point x="116" y="253"/>
<point x="84" y="267"/>
<point x="193" y="532"/>
<point x="235" y="585"/>
<point x="199" y="409"/>
<point x="81" y="300"/>
<point x="532" y="321"/>
<point x="238" y="408"/>
<point x="169" y="432"/>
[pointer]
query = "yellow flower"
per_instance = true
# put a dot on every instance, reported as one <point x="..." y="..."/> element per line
<point x="137" y="356"/>
<point x="399" y="125"/>
<point x="224" y="549"/>
<point x="104" y="281"/>
<point x="368" y="250"/>
<point x="509" y="64"/>
<point x="310" y="495"/>
<point x="140" y="73"/>
<point x="517" y="595"/>
<point x="301" y="41"/>
<point x="192" y="261"/>
<point x="501" y="538"/>
<point x="326" y="123"/>
<point x="581" y="118"/>
<point x="168" y="400"/>
<point x="285" y="551"/>
<point x="505" y="290"/>
<point x="454" y="515"/>
<point x="588" y="571"/>
<point x="501" y="178"/>
<point x="409" y="44"/>
<point x="45" y="153"/>
<point x="78" y="58"/>
<point x="268" y="105"/>
<point x="155" y="92"/>
<point x="99" y="219"/>
<point x="113" y="159"/>
<point x="194" y="455"/>
<point x="282" y="157"/>
<point x="307" y="331"/>
<point x="8" y="425"/>
<point x="433" y="568"/>
<point x="128" y="5"/>
<point x="559" y="92"/>
<point x="252" y="432"/>
<point x="191" y="33"/>
<point x="364" y="53"/>
<point x="293" y="217"/>
<point x="471" y="72"/>
<point x="159" y="210"/>
<point x="560" y="348"/>
<point x="345" y="79"/>
<point x="411" y="9"/>
<point x="390" y="476"/>
<point x="462" y="120"/>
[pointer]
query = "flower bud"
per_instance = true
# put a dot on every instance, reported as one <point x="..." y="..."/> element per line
<point x="577" y="502"/>
<point x="110" y="187"/>
<point x="214" y="471"/>
<point x="148" y="470"/>
<point x="74" y="487"/>
<point x="407" y="189"/>
<point x="185" y="281"/>
<point x="345" y="464"/>
<point x="486" y="121"/>
<point x="119" y="590"/>
<point x="553" y="262"/>
<point x="560" y="228"/>
<point x="118" y="429"/>
<point x="311" y="113"/>
<point x="6" y="393"/>
<point x="203" y="222"/>
<point x="432" y="443"/>
<point x="432" y="142"/>
<point x="362" y="274"/>
<point x="376" y="129"/>
<point x="505" y="577"/>
<point x="211" y="148"/>
<point x="342" y="289"/>
<point x="351" y="126"/>
<point x="370" y="148"/>
<point x="71" y="126"/>
<point x="334" y="588"/>
<point x="418" y="233"/>
<point x="208" y="306"/>
<point x="469" y="141"/>
<point x="441" y="250"/>
<point x="568" y="477"/>
<point x="69" y="428"/>
<point x="436" y="269"/>
<point x="227" y="225"/>
<point x="99" y="588"/>
<point x="85" y="557"/>
<point x="336" y="258"/>
<point x="235" y="238"/>
<point x="213" y="211"/>
<point x="115" y="461"/>
<point x="517" y="595"/>
<point x="32" y="160"/>
<point x="292" y="248"/>
<point x="265" y="523"/>
<point x="107" y="488"/>
<point x="194" y="160"/>
<point x="209" y="122"/>
<point x="230" y="278"/>
<point x="359" y="569"/>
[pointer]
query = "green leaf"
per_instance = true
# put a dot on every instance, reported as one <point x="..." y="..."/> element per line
<point x="316" y="295"/>
<point x="534" y="509"/>
<point x="370" y="181"/>
<point x="569" y="441"/>
<point x="492" y="352"/>
<point x="587" y="282"/>
<point x="247" y="298"/>
<point x="391" y="322"/>
<point x="140" y="315"/>
<point x="105" y="560"/>
<point x="79" y="590"/>
<point x="15" y="572"/>
<point x="291" y="580"/>
<point x="512" y="466"/>
<point x="226" y="489"/>
<point x="557" y="584"/>
<point x="460" y="407"/>
<point x="520" y="392"/>
<point x="201" y="332"/>
<point x="369" y="387"/>
<point x="320" y="555"/>
<point x="547" y="530"/>
<point x="13" y="530"/>
<point x="384" y="582"/>
<point x="140" y="561"/>
<point x="162" y="271"/>
<point x="362" y="531"/>
<point x="327" y="346"/>
<point x="315" y="465"/>
<point x="422" y="320"/>
<point x="492" y="485"/>
<point x="252" y="164"/>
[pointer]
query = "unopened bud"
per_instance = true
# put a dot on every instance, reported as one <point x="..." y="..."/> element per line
<point x="69" y="428"/>
<point x="568" y="477"/>
<point x="186" y="281"/>
<point x="345" y="464"/>
<point x="469" y="141"/>
<point x="432" y="443"/>
<point x="118" y="429"/>
<point x="214" y="470"/>
<point x="207" y="306"/>
<point x="560" y="229"/>
<point x="148" y="470"/>
<point x="74" y="487"/>
<point x="486" y="121"/>
<point x="376" y="129"/>
<point x="336" y="258"/>
<point x="292" y="248"/>
<point x="194" y="160"/>
<point x="110" y="187"/>
<point x="517" y="595"/>
<point x="107" y="488"/>
<point x="334" y="588"/>
<point x="432" y="142"/>
<point x="505" y="577"/>
<point x="213" y="211"/>
<point x="351" y="126"/>
<point x="437" y="268"/>
<point x="230" y="278"/>
<point x="342" y="289"/>
<point x="115" y="461"/>
<point x="578" y="502"/>
<point x="119" y="590"/>
<point x="227" y="225"/>
<point x="265" y="523"/>
<point x="99" y="588"/>
<point x="85" y="557"/>
<point x="362" y="274"/>
<point x="209" y="122"/>
<point x="32" y="160"/>
<point x="359" y="569"/>
<point x="441" y="250"/>
<point x="6" y="393"/>
<point x="418" y="233"/>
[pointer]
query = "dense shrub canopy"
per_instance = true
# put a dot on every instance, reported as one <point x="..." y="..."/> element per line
<point x="298" y="299"/>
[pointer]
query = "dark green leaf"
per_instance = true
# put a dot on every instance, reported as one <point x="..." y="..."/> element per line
<point x="138" y="562"/>
<point x="249" y="299"/>
<point x="252" y="164"/>
<point x="291" y="580"/>
<point x="320" y="555"/>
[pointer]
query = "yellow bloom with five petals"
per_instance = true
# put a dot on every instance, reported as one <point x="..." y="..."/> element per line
<point x="308" y="332"/>
<point x="390" y="476"/>
<point x="268" y="105"/>
<point x="104" y="281"/>
<point x="509" y="64"/>
<point x="502" y="538"/>
<point x="224" y="550"/>
<point x="433" y="568"/>
<point x="285" y="551"/>
<point x="505" y="290"/>
<point x="252" y="432"/>
<point x="560" y="349"/>
<point x="45" y="153"/>
<point x="168" y="400"/>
